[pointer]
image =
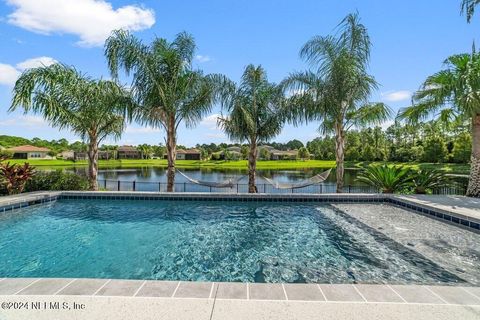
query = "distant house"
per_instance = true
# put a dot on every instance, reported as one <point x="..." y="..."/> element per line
<point x="67" y="155"/>
<point x="128" y="152"/>
<point x="278" y="154"/>
<point x="30" y="152"/>
<point x="190" y="154"/>
<point x="235" y="153"/>
<point x="102" y="155"/>
<point x="284" y="155"/>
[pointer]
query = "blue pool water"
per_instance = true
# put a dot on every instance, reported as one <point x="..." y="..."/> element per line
<point x="214" y="241"/>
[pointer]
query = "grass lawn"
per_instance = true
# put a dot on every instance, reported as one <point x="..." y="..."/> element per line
<point x="241" y="164"/>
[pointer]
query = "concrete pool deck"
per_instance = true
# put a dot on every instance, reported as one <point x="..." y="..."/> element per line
<point x="137" y="299"/>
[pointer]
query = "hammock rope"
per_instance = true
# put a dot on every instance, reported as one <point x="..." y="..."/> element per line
<point x="230" y="183"/>
<point x="319" y="178"/>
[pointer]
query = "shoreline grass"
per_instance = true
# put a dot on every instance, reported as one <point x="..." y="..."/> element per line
<point x="452" y="168"/>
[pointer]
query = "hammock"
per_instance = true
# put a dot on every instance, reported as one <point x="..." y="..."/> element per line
<point x="319" y="178"/>
<point x="230" y="183"/>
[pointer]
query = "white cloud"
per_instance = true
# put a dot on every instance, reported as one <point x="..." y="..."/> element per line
<point x="396" y="96"/>
<point x="131" y="129"/>
<point x="202" y="59"/>
<point x="210" y="121"/>
<point x="35" y="63"/>
<point x="9" y="74"/>
<point x="34" y="122"/>
<point x="216" y="135"/>
<point x="91" y="20"/>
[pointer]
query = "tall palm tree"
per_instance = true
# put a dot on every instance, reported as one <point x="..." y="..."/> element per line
<point x="254" y="116"/>
<point x="67" y="99"/>
<point x="337" y="89"/>
<point x="166" y="88"/>
<point x="468" y="8"/>
<point x="454" y="91"/>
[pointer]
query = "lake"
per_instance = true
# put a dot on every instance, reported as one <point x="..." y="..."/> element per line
<point x="151" y="178"/>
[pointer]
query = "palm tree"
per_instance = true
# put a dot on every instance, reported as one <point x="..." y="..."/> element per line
<point x="453" y="91"/>
<point x="468" y="8"/>
<point x="254" y="113"/>
<point x="164" y="85"/>
<point x="66" y="98"/>
<point x="336" y="92"/>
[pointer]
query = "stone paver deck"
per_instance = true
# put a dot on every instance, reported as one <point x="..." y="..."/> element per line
<point x="211" y="300"/>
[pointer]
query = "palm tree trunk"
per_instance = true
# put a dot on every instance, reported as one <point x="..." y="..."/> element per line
<point x="93" y="163"/>
<point x="252" y="167"/>
<point x="339" y="155"/>
<point x="473" y="189"/>
<point x="171" y="156"/>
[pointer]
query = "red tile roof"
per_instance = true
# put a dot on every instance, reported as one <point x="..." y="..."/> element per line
<point x="28" y="148"/>
<point x="127" y="149"/>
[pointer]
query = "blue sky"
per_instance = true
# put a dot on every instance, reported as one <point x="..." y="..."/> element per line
<point x="410" y="39"/>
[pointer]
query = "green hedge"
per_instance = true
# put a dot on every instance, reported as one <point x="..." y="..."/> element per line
<point x="56" y="180"/>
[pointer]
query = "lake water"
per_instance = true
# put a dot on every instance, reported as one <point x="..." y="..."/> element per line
<point x="152" y="178"/>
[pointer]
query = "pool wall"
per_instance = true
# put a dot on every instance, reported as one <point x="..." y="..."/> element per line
<point x="431" y="210"/>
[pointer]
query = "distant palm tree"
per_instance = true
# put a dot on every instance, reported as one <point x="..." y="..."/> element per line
<point x="453" y="91"/>
<point x="468" y="8"/>
<point x="336" y="92"/>
<point x="166" y="88"/>
<point x="253" y="108"/>
<point x="93" y="109"/>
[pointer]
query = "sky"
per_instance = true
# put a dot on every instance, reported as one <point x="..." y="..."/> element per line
<point x="410" y="39"/>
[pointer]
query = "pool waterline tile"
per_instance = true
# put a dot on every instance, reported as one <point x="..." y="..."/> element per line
<point x="431" y="210"/>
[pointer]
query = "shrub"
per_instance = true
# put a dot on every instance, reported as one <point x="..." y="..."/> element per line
<point x="6" y="154"/>
<point x="435" y="150"/>
<point x="303" y="153"/>
<point x="462" y="148"/>
<point x="57" y="180"/>
<point x="425" y="180"/>
<point x="14" y="177"/>
<point x="388" y="179"/>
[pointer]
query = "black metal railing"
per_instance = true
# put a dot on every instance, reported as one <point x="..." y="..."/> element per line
<point x="150" y="186"/>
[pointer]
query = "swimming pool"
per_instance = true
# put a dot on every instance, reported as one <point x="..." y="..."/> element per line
<point x="210" y="241"/>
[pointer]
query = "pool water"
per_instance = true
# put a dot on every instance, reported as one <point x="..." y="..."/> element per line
<point x="211" y="241"/>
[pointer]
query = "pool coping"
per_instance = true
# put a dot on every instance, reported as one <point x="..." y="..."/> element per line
<point x="323" y="293"/>
<point x="439" y="212"/>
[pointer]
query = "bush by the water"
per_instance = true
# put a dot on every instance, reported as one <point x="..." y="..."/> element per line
<point x="56" y="180"/>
